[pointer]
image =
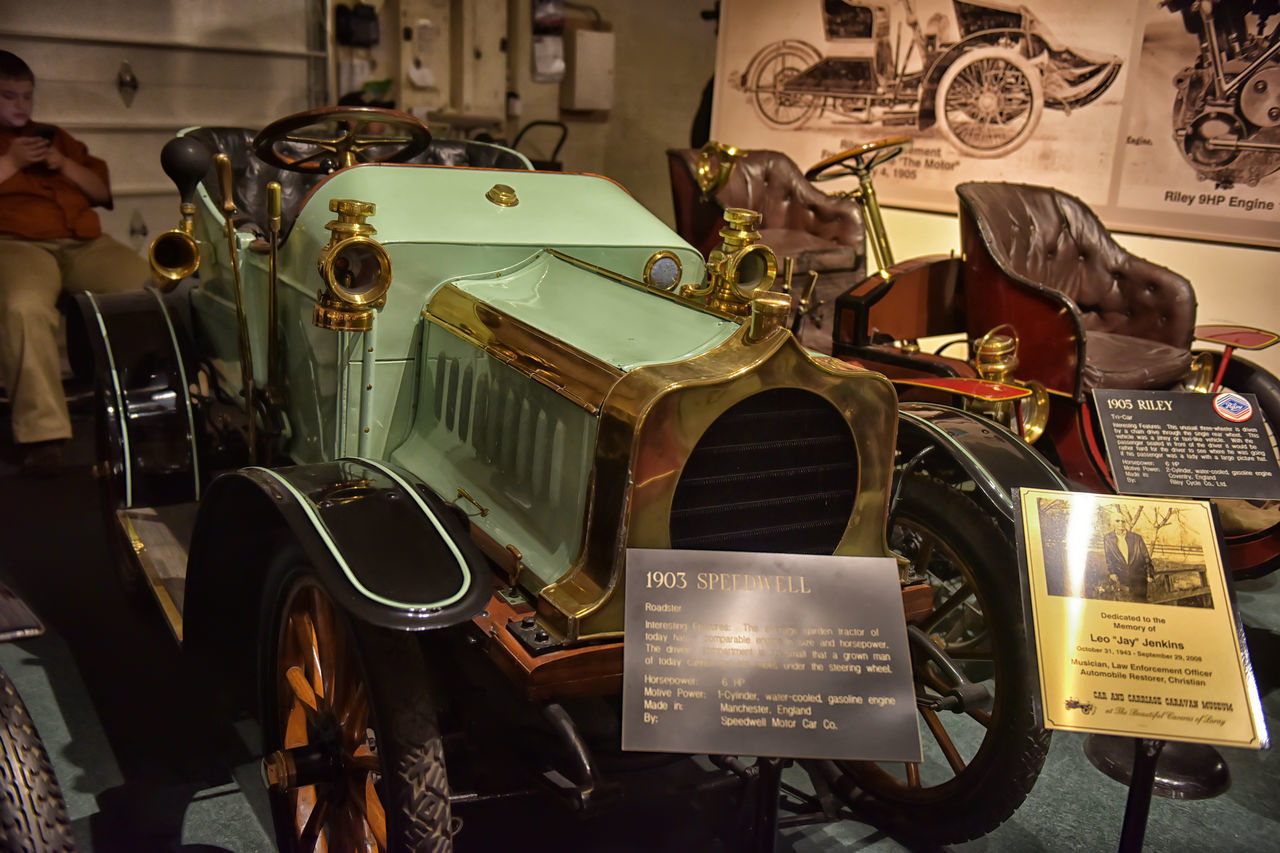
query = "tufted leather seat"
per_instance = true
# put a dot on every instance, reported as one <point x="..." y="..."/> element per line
<point x="1089" y="313"/>
<point x="250" y="175"/>
<point x="820" y="232"/>
<point x="797" y="220"/>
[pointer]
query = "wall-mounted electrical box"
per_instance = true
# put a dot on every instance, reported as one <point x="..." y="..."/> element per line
<point x="588" y="73"/>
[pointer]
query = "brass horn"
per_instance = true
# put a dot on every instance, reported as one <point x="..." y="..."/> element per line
<point x="174" y="255"/>
<point x="995" y="358"/>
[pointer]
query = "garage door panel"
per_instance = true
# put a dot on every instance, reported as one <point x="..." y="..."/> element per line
<point x="155" y="213"/>
<point x="236" y="63"/>
<point x="179" y="89"/>
<point x="133" y="158"/>
<point x="279" y="24"/>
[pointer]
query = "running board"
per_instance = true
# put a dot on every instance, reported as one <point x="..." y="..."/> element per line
<point x="160" y="538"/>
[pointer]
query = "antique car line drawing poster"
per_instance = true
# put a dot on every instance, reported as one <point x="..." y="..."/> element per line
<point x="1195" y="152"/>
<point x="1132" y="623"/>
<point x="1159" y="122"/>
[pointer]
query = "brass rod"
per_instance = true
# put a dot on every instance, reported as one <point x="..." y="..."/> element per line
<point x="223" y="164"/>
<point x="273" y="333"/>
<point x="875" y="225"/>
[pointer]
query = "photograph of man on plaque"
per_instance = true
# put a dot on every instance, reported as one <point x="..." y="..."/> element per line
<point x="1122" y="549"/>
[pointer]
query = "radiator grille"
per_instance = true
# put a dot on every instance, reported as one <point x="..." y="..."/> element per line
<point x="777" y="472"/>
<point x="513" y="426"/>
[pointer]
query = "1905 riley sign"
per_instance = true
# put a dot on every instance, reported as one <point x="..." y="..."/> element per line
<point x="1192" y="445"/>
<point x="767" y="654"/>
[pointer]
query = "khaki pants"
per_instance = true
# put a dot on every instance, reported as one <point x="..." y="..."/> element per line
<point x="32" y="274"/>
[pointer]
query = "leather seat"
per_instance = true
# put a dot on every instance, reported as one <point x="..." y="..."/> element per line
<point x="1089" y="313"/>
<point x="250" y="175"/>
<point x="798" y="220"/>
<point x="821" y="232"/>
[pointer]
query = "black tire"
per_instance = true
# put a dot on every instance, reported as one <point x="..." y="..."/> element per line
<point x="357" y="673"/>
<point x="989" y="102"/>
<point x="972" y="565"/>
<point x="1247" y="557"/>
<point x="1245" y="377"/>
<point x="33" y="815"/>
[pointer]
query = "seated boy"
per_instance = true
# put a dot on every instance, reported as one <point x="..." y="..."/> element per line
<point x="50" y="239"/>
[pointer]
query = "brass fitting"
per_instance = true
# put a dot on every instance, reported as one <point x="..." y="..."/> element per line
<point x="769" y="311"/>
<point x="996" y="356"/>
<point x="351" y="221"/>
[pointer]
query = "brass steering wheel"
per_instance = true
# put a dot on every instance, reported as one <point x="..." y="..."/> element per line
<point x="348" y="141"/>
<point x="859" y="160"/>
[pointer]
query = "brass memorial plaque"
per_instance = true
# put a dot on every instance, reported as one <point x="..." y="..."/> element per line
<point x="1135" y="632"/>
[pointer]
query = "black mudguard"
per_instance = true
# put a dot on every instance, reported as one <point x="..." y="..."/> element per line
<point x="1246" y="377"/>
<point x="386" y="548"/>
<point x="146" y="426"/>
<point x="17" y="621"/>
<point x="995" y="459"/>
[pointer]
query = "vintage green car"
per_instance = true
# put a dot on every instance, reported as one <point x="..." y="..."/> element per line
<point x="392" y="500"/>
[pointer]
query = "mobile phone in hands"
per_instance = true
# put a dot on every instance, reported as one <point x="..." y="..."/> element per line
<point x="44" y="131"/>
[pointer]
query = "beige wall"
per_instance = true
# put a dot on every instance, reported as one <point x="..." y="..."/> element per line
<point x="665" y="55"/>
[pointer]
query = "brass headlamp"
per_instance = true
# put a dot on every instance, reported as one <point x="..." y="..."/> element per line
<point x="355" y="268"/>
<point x="995" y="358"/>
<point x="738" y="268"/>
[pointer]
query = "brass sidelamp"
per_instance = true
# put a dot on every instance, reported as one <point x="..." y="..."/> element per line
<point x="354" y="267"/>
<point x="739" y="267"/>
<point x="995" y="358"/>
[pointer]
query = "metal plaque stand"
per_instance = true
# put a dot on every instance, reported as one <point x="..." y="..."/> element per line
<point x="1175" y="770"/>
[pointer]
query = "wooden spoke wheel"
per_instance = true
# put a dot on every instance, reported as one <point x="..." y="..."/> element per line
<point x="355" y="761"/>
<point x="980" y="762"/>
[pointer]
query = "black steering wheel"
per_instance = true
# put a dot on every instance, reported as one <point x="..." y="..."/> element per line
<point x="860" y="160"/>
<point x="347" y="142"/>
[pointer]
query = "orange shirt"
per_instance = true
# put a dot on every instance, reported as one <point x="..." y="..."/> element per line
<point x="40" y="204"/>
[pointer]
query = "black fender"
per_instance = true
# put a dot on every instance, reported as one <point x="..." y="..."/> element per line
<point x="146" y="425"/>
<point x="995" y="459"/>
<point x="387" y="550"/>
<point x="17" y="620"/>
<point x="1249" y="378"/>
